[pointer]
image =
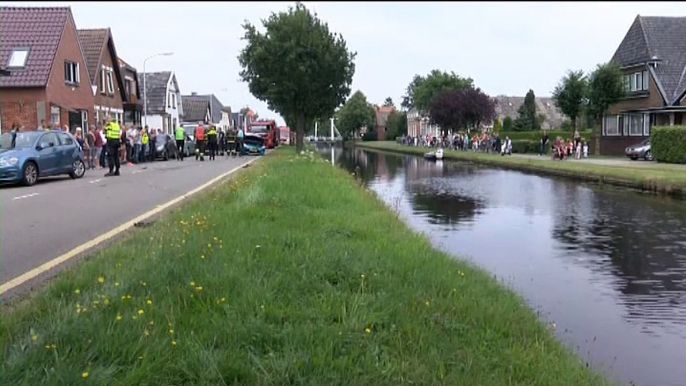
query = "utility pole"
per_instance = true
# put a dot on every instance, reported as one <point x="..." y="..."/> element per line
<point x="332" y="119"/>
<point x="316" y="125"/>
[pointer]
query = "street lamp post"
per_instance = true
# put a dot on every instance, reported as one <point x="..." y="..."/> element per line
<point x="145" y="89"/>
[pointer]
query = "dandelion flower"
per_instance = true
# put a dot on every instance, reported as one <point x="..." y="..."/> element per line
<point x="427" y="303"/>
<point x="171" y="331"/>
<point x="134" y="317"/>
<point x="202" y="256"/>
<point x="198" y="288"/>
<point x="34" y="337"/>
<point x="84" y="374"/>
<point x="106" y="301"/>
<point x="141" y="312"/>
<point x="151" y="322"/>
<point x="116" y="284"/>
<point x="140" y="357"/>
<point x="192" y="283"/>
<point x="362" y="276"/>
<point x="173" y="342"/>
<point x="101" y="279"/>
<point x="118" y="317"/>
<point x="148" y="302"/>
<point x="367" y="330"/>
<point x="146" y="332"/>
<point x="77" y="291"/>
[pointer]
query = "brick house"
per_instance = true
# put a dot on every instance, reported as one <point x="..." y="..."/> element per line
<point x="652" y="58"/>
<point x="381" y="115"/>
<point x="133" y="107"/>
<point x="49" y="79"/>
<point x="105" y="73"/>
<point x="419" y="126"/>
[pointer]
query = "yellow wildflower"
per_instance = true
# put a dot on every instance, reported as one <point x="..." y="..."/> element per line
<point x="34" y="337"/>
<point x="116" y="284"/>
<point x="118" y="317"/>
<point x="367" y="330"/>
<point x="171" y="331"/>
<point x="141" y="312"/>
<point x="173" y="342"/>
<point x="362" y="276"/>
<point x="198" y="288"/>
<point x="77" y="291"/>
<point x="101" y="279"/>
<point x="84" y="374"/>
<point x="148" y="302"/>
<point x="202" y="256"/>
<point x="427" y="303"/>
<point x="192" y="283"/>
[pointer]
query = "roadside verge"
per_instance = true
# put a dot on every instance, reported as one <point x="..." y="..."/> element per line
<point x="289" y="273"/>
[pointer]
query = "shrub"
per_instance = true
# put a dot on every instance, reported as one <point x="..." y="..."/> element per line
<point x="370" y="135"/>
<point x="525" y="146"/>
<point x="668" y="144"/>
<point x="552" y="134"/>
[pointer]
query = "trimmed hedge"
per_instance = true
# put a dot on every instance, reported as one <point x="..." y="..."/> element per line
<point x="668" y="144"/>
<point x="525" y="146"/>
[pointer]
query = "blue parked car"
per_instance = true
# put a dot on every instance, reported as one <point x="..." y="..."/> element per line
<point x="27" y="156"/>
<point x="253" y="144"/>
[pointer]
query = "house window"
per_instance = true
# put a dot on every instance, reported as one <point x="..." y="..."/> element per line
<point x="646" y="80"/>
<point x="627" y="83"/>
<point x="97" y="117"/>
<point x="110" y="82"/>
<point x="633" y="124"/>
<point x="71" y="72"/>
<point x="54" y="114"/>
<point x="611" y="125"/>
<point x="638" y="82"/>
<point x="128" y="87"/>
<point x="18" y="58"/>
<point x="646" y="124"/>
<point x="103" y="76"/>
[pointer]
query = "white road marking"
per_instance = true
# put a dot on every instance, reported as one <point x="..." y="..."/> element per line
<point x="25" y="196"/>
<point x="6" y="286"/>
<point x="94" y="181"/>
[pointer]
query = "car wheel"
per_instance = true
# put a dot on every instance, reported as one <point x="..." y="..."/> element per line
<point x="78" y="169"/>
<point x="29" y="174"/>
<point x="648" y="156"/>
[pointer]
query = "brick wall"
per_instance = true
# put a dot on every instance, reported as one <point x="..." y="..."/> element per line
<point x="20" y="106"/>
<point x="75" y="97"/>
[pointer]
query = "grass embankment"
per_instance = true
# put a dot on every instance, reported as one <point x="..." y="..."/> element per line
<point x="668" y="179"/>
<point x="290" y="274"/>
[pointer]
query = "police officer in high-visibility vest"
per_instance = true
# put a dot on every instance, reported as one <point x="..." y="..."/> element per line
<point x="199" y="142"/>
<point x="113" y="135"/>
<point x="180" y="136"/>
<point x="212" y="141"/>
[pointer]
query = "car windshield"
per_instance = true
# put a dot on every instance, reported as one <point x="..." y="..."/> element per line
<point x="259" y="129"/>
<point x="645" y="142"/>
<point x="22" y="140"/>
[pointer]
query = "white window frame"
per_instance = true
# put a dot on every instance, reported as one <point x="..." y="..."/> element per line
<point x="169" y="100"/>
<point x="110" y="82"/>
<point x="54" y="114"/>
<point x="173" y="101"/>
<point x="18" y="57"/>
<point x="617" y="128"/>
<point x="103" y="79"/>
<point x="637" y="81"/>
<point x="627" y="83"/>
<point x="646" y="124"/>
<point x="646" y="80"/>
<point x="71" y="72"/>
<point x="96" y="113"/>
<point x="634" y="128"/>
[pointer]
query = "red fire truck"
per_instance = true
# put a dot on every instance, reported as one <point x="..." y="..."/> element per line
<point x="267" y="130"/>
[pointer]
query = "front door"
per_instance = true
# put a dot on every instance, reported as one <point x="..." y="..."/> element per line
<point x="75" y="120"/>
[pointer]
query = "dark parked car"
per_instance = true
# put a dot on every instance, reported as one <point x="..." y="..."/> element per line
<point x="27" y="156"/>
<point x="165" y="147"/>
<point x="641" y="150"/>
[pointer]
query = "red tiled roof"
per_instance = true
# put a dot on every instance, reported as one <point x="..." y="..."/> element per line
<point x="92" y="43"/>
<point x="39" y="29"/>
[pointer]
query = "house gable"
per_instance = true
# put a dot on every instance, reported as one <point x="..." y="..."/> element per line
<point x="39" y="30"/>
<point x="100" y="50"/>
<point x="195" y="110"/>
<point x="131" y="72"/>
<point x="659" y="43"/>
<point x="156" y="86"/>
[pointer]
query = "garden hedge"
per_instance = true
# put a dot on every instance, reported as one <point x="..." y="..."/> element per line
<point x="668" y="144"/>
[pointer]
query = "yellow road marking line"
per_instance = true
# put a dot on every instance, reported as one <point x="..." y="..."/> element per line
<point x="21" y="279"/>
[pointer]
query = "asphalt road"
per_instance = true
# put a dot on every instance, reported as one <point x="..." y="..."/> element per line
<point x="58" y="214"/>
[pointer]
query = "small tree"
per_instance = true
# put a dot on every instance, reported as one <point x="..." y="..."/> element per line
<point x="605" y="88"/>
<point x="527" y="119"/>
<point x="461" y="108"/>
<point x="396" y="125"/>
<point x="314" y="69"/>
<point x="497" y="125"/>
<point x="388" y="102"/>
<point x="508" y="124"/>
<point x="355" y="113"/>
<point x="569" y="95"/>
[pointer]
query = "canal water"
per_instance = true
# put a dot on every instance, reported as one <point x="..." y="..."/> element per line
<point x="606" y="265"/>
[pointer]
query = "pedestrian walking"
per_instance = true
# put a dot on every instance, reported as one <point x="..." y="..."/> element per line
<point x="180" y="136"/>
<point x="113" y="134"/>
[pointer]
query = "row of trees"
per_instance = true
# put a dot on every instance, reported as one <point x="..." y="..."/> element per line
<point x="357" y="112"/>
<point x="297" y="66"/>
<point x="589" y="96"/>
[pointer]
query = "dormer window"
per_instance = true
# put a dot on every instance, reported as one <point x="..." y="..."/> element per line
<point x="18" y="58"/>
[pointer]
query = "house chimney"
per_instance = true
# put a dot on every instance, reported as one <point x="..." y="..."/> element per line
<point x="194" y="93"/>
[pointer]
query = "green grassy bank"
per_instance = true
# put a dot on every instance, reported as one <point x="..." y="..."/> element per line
<point x="288" y="274"/>
<point x="661" y="178"/>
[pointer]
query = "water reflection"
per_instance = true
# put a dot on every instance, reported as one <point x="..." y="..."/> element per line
<point x="609" y="266"/>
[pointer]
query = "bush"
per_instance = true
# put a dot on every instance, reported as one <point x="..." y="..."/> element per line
<point x="370" y="135"/>
<point x="552" y="134"/>
<point x="668" y="144"/>
<point x="525" y="146"/>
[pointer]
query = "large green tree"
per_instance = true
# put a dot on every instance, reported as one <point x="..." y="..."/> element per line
<point x="355" y="113"/>
<point x="422" y="90"/>
<point x="527" y="118"/>
<point x="297" y="66"/>
<point x="396" y="125"/>
<point x="605" y="88"/>
<point x="569" y="95"/>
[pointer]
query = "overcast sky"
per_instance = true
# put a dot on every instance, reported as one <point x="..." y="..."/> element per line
<point x="506" y="48"/>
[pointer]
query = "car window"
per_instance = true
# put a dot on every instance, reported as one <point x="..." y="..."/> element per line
<point x="65" y="139"/>
<point x="49" y="138"/>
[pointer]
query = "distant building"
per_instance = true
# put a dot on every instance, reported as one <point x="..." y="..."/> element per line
<point x="381" y="114"/>
<point x="418" y="126"/>
<point x="164" y="105"/>
<point x="508" y="106"/>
